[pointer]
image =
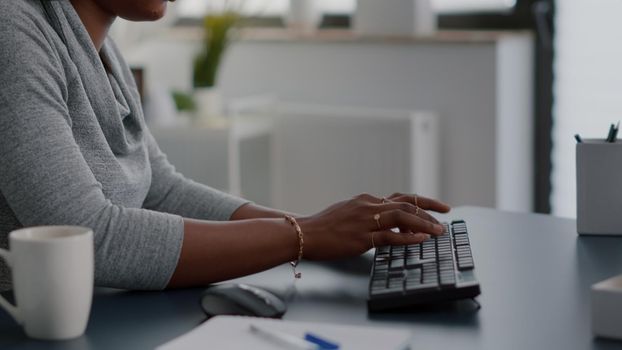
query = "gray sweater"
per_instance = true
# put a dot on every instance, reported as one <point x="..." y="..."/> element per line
<point x="74" y="150"/>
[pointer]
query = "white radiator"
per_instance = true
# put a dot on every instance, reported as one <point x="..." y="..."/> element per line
<point x="320" y="155"/>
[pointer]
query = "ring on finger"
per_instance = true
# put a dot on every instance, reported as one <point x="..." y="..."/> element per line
<point x="377" y="219"/>
<point x="416" y="205"/>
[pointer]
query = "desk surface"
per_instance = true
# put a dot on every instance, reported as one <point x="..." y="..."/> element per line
<point x="535" y="275"/>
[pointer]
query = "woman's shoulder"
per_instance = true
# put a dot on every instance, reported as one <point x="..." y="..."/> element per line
<point x="30" y="47"/>
<point x="22" y="19"/>
<point x="20" y="11"/>
<point x="25" y="32"/>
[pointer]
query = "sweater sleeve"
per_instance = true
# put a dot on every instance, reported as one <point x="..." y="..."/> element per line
<point x="171" y="192"/>
<point x="46" y="180"/>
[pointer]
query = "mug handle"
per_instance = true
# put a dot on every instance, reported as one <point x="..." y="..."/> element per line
<point x="10" y="308"/>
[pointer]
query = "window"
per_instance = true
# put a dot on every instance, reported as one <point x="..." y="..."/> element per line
<point x="197" y="8"/>
<point x="587" y="86"/>
<point x="453" y="6"/>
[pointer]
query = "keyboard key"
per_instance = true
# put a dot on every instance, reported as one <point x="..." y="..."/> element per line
<point x="428" y="255"/>
<point x="396" y="274"/>
<point x="465" y="264"/>
<point x="443" y="269"/>
<point x="382" y="258"/>
<point x="378" y="284"/>
<point x="398" y="249"/>
<point x="381" y="265"/>
<point x="430" y="277"/>
<point x="416" y="255"/>
<point x="459" y="231"/>
<point x="397" y="264"/>
<point x="428" y="243"/>
<point x="395" y="282"/>
<point x="447" y="280"/>
<point x="413" y="276"/>
<point x="443" y="238"/>
<point x="463" y="250"/>
<point x="444" y="253"/>
<point x="442" y="247"/>
<point x="380" y="275"/>
<point x="461" y="240"/>
<point x="381" y="271"/>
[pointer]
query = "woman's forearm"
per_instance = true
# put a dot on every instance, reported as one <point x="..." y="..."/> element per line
<point x="254" y="211"/>
<point x="217" y="251"/>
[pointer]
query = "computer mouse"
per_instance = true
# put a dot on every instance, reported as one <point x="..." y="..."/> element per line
<point x="241" y="299"/>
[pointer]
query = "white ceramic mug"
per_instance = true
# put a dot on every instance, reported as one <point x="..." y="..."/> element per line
<point x="52" y="269"/>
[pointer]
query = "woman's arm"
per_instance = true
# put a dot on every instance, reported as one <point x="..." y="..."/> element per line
<point x="45" y="179"/>
<point x="217" y="251"/>
<point x="254" y="211"/>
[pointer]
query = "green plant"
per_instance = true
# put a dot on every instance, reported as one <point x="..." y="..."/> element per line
<point x="216" y="40"/>
<point x="184" y="101"/>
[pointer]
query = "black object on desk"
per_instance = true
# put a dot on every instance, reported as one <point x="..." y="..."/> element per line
<point x="437" y="270"/>
<point x="613" y="133"/>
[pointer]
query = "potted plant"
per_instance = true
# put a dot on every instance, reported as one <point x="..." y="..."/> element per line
<point x="217" y="29"/>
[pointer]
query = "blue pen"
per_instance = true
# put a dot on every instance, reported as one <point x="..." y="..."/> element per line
<point x="321" y="342"/>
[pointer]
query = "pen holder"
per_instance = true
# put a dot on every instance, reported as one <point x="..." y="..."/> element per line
<point x="599" y="187"/>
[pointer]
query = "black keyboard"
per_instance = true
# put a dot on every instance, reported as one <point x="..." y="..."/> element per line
<point x="437" y="270"/>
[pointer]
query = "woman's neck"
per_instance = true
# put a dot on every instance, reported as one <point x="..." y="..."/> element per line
<point x="96" y="20"/>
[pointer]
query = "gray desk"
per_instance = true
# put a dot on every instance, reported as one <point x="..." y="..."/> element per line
<point x="535" y="275"/>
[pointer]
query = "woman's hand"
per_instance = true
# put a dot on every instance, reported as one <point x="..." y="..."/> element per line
<point x="351" y="227"/>
<point x="345" y="229"/>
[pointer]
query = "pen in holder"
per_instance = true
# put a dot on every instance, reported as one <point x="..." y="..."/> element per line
<point x="599" y="187"/>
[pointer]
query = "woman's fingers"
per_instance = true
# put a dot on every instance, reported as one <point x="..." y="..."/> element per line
<point x="384" y="238"/>
<point x="406" y="222"/>
<point x="420" y="201"/>
<point x="406" y="206"/>
<point x="366" y="197"/>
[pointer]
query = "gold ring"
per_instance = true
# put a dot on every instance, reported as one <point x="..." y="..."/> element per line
<point x="416" y="205"/>
<point x="377" y="218"/>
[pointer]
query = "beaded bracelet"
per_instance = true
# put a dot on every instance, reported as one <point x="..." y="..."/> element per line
<point x="301" y="243"/>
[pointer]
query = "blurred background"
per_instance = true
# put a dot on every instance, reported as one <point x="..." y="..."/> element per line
<point x="299" y="103"/>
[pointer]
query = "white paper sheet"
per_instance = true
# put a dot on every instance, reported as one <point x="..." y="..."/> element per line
<point x="233" y="333"/>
